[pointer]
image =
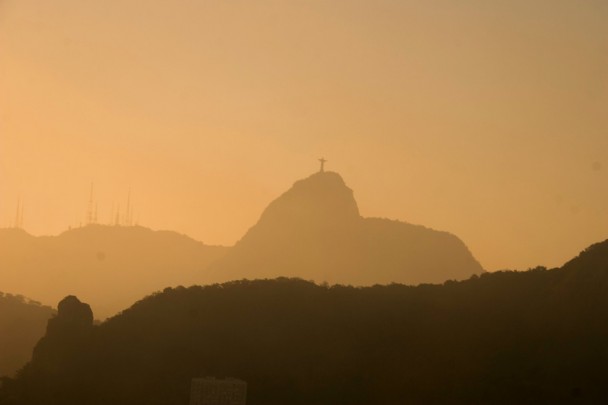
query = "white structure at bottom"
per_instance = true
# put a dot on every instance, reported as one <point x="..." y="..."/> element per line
<point x="213" y="391"/>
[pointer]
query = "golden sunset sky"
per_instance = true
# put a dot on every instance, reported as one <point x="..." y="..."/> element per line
<point x="484" y="118"/>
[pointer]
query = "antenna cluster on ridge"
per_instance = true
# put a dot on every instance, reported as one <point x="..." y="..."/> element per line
<point x="117" y="218"/>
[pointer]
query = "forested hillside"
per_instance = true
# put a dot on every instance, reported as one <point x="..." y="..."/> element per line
<point x="531" y="337"/>
<point x="22" y="324"/>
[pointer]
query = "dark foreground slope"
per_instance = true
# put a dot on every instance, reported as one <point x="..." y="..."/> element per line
<point x="532" y="337"/>
<point x="112" y="266"/>
<point x="314" y="231"/>
<point x="22" y="324"/>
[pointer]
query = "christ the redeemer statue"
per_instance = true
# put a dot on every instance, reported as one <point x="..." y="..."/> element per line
<point x="322" y="160"/>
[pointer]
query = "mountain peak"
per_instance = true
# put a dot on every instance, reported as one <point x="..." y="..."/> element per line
<point x="324" y="176"/>
<point x="316" y="199"/>
<point x="314" y="231"/>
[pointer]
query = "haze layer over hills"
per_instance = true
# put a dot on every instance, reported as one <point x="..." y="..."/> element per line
<point x="533" y="337"/>
<point x="112" y="266"/>
<point x="314" y="231"/>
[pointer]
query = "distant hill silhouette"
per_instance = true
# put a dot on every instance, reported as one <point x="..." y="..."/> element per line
<point x="594" y="259"/>
<point x="314" y="231"/>
<point x="111" y="266"/>
<point x="507" y="337"/>
<point x="22" y="324"/>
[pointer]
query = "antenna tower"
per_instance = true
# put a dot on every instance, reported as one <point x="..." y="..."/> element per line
<point x="91" y="210"/>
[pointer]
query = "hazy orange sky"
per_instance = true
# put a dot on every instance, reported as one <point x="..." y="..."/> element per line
<point x="488" y="119"/>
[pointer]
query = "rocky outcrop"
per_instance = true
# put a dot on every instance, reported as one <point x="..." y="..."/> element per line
<point x="67" y="336"/>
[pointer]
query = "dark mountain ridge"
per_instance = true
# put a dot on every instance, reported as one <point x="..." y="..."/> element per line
<point x="313" y="231"/>
<point x="507" y="337"/>
<point x="22" y="324"/>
